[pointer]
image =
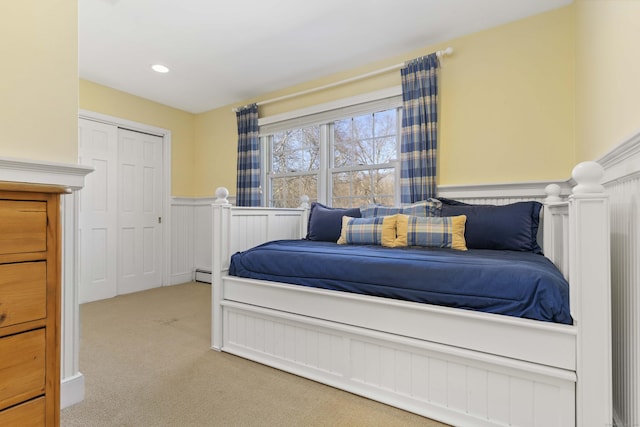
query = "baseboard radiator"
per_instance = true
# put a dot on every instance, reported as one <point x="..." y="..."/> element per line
<point x="203" y="276"/>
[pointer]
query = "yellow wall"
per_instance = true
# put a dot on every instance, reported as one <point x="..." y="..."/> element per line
<point x="39" y="80"/>
<point x="101" y="99"/>
<point x="507" y="106"/>
<point x="507" y="96"/>
<point x="216" y="144"/>
<point x="607" y="75"/>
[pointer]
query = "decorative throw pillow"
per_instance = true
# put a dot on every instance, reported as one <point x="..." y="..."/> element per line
<point x="429" y="207"/>
<point x="325" y="223"/>
<point x="512" y="227"/>
<point x="439" y="232"/>
<point x="368" y="231"/>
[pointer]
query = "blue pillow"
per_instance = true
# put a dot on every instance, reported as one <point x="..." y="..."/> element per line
<point x="325" y="223"/>
<point x="512" y="227"/>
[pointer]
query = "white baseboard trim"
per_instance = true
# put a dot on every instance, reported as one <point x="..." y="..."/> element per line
<point x="71" y="390"/>
<point x="179" y="278"/>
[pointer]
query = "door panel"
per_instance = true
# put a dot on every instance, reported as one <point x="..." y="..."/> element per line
<point x="140" y="211"/>
<point x="97" y="147"/>
<point x="120" y="235"/>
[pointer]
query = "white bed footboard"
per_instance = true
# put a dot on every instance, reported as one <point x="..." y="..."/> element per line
<point x="236" y="229"/>
<point x="459" y="367"/>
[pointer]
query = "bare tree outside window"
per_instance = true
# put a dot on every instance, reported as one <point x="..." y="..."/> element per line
<point x="295" y="161"/>
<point x="368" y="144"/>
<point x="361" y="163"/>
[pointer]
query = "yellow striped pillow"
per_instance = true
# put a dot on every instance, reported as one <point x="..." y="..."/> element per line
<point x="441" y="232"/>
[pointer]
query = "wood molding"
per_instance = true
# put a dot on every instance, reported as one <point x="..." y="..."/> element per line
<point x="623" y="160"/>
<point x="534" y="189"/>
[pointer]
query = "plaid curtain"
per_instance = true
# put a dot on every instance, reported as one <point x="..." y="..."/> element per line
<point x="248" y="182"/>
<point x="419" y="129"/>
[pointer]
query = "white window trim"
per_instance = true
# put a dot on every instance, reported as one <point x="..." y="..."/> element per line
<point x="341" y="107"/>
<point x="320" y="115"/>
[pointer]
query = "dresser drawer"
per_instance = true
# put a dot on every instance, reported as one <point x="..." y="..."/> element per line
<point x="23" y="226"/>
<point x="22" y="367"/>
<point x="23" y="292"/>
<point x="29" y="414"/>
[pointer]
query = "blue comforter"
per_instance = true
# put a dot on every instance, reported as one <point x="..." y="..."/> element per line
<point x="521" y="284"/>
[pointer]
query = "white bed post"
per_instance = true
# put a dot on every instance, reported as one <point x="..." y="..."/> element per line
<point x="220" y="209"/>
<point x="590" y="277"/>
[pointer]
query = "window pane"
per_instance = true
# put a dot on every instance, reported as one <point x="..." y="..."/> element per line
<point x="362" y="183"/>
<point x="358" y="188"/>
<point x="361" y="146"/>
<point x="343" y="156"/>
<point x="279" y="152"/>
<point x="287" y="191"/>
<point x="341" y="203"/>
<point x="364" y="152"/>
<point x="310" y="148"/>
<point x="385" y="123"/>
<point x="354" y="142"/>
<point x="353" y="153"/>
<point x="296" y="150"/>
<point x="383" y="182"/>
<point x="278" y="191"/>
<point x="342" y="184"/>
<point x="363" y="126"/>
<point x="385" y="150"/>
<point x="342" y="130"/>
<point x="308" y="187"/>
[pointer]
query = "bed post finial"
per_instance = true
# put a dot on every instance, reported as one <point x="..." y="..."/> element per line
<point x="588" y="175"/>
<point x="221" y="196"/>
<point x="553" y="193"/>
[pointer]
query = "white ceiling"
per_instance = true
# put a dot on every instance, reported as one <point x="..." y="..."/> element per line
<point x="223" y="52"/>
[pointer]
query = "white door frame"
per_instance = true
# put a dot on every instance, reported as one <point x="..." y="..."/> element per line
<point x="166" y="184"/>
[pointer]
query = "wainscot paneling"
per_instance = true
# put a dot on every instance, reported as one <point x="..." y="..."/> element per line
<point x="191" y="221"/>
<point x="622" y="181"/>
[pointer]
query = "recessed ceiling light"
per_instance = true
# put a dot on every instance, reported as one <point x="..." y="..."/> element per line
<point x="159" y="68"/>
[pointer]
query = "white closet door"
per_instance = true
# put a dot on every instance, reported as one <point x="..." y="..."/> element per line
<point x="139" y="211"/>
<point x="97" y="147"/>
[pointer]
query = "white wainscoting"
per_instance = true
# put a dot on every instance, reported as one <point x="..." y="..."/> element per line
<point x="622" y="181"/>
<point x="191" y="222"/>
<point x="182" y="235"/>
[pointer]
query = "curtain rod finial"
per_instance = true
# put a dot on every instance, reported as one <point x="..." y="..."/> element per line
<point x="445" y="52"/>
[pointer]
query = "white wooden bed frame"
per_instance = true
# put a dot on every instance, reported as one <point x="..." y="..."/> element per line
<point x="460" y="367"/>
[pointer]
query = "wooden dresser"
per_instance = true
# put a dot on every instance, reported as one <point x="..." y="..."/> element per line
<point x="30" y="300"/>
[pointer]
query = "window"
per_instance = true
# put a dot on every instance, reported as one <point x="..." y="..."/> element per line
<point x="346" y="162"/>
<point x="294" y="166"/>
<point x="364" y="153"/>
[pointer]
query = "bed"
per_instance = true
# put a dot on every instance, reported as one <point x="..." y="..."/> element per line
<point x="448" y="362"/>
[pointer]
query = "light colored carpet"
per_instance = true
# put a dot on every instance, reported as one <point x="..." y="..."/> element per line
<point x="147" y="362"/>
